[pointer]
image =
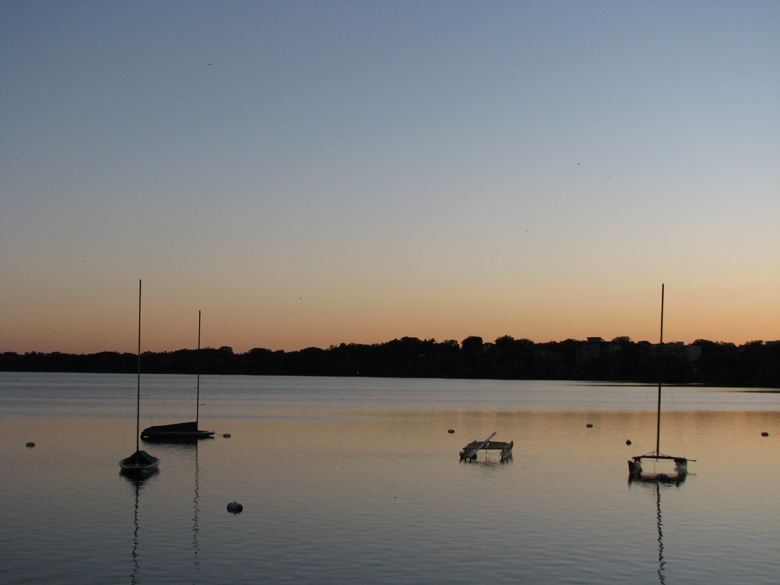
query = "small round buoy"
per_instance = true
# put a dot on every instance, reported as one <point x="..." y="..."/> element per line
<point x="590" y="426"/>
<point x="235" y="508"/>
<point x="451" y="431"/>
<point x="30" y="444"/>
<point x="628" y="441"/>
<point x="764" y="434"/>
<point x="226" y="435"/>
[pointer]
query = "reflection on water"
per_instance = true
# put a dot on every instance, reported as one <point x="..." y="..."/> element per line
<point x="661" y="562"/>
<point x="340" y="494"/>
<point x="183" y="450"/>
<point x="137" y="483"/>
<point x="195" y="526"/>
<point x="658" y="487"/>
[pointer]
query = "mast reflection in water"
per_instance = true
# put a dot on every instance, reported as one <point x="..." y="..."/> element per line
<point x="137" y="482"/>
<point x="390" y="505"/>
<point x="657" y="487"/>
<point x="196" y="509"/>
<point x="661" y="562"/>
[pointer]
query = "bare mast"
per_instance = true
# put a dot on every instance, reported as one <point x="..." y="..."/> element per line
<point x="138" y="391"/>
<point x="660" y="373"/>
<point x="197" y="394"/>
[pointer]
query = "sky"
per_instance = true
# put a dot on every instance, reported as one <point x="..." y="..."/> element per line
<point x="325" y="172"/>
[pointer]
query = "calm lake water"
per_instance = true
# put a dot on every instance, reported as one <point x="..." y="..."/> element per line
<point x="355" y="480"/>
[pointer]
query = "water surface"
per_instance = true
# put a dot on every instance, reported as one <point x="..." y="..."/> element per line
<point x="353" y="480"/>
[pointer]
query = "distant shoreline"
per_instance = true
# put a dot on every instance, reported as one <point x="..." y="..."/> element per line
<point x="734" y="388"/>
<point x="704" y="363"/>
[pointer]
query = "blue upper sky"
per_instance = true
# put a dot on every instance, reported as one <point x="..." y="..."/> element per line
<point x="309" y="173"/>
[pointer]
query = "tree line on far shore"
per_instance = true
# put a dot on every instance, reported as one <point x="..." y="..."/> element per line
<point x="754" y="364"/>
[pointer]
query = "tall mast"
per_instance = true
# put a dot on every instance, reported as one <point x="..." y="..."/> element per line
<point x="660" y="356"/>
<point x="138" y="391"/>
<point x="197" y="395"/>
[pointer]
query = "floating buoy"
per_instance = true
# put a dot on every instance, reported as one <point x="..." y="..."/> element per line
<point x="590" y="426"/>
<point x="30" y="444"/>
<point x="235" y="508"/>
<point x="451" y="431"/>
<point x="764" y="434"/>
<point x="628" y="441"/>
<point x="226" y="435"/>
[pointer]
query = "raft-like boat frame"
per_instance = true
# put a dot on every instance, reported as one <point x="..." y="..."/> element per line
<point x="636" y="473"/>
<point x="469" y="452"/>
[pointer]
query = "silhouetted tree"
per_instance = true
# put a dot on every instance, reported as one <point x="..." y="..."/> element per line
<point x="753" y="364"/>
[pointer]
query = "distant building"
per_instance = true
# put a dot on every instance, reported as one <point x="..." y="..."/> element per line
<point x="678" y="349"/>
<point x="545" y="357"/>
<point x="593" y="349"/>
<point x="596" y="347"/>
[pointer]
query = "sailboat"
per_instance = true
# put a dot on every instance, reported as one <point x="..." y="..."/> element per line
<point x="635" y="471"/>
<point x="186" y="431"/>
<point x="139" y="463"/>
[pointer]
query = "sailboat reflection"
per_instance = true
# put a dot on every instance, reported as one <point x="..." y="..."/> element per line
<point x="657" y="487"/>
<point x="137" y="482"/>
<point x="195" y="527"/>
<point x="661" y="562"/>
<point x="182" y="449"/>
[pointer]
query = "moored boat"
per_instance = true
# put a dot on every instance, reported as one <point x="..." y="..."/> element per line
<point x="139" y="463"/>
<point x="469" y="452"/>
<point x="635" y="470"/>
<point x="175" y="432"/>
<point x="178" y="432"/>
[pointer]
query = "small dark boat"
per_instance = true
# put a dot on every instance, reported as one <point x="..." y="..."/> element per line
<point x="177" y="432"/>
<point x="139" y="462"/>
<point x="469" y="452"/>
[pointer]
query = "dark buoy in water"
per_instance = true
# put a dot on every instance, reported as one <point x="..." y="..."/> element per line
<point x="764" y="434"/>
<point x="628" y="441"/>
<point x="226" y="435"/>
<point x="235" y="508"/>
<point x="451" y="431"/>
<point x="30" y="444"/>
<point x="590" y="426"/>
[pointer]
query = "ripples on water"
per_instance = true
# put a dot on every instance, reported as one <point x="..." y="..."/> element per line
<point x="357" y="481"/>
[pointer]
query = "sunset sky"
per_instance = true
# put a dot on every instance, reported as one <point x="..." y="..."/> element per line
<point x="312" y="173"/>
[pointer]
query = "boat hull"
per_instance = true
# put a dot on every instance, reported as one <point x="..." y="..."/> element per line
<point x="139" y="463"/>
<point x="175" y="432"/>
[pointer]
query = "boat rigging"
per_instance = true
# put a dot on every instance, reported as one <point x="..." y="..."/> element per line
<point x="139" y="463"/>
<point x="635" y="470"/>
<point x="186" y="431"/>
